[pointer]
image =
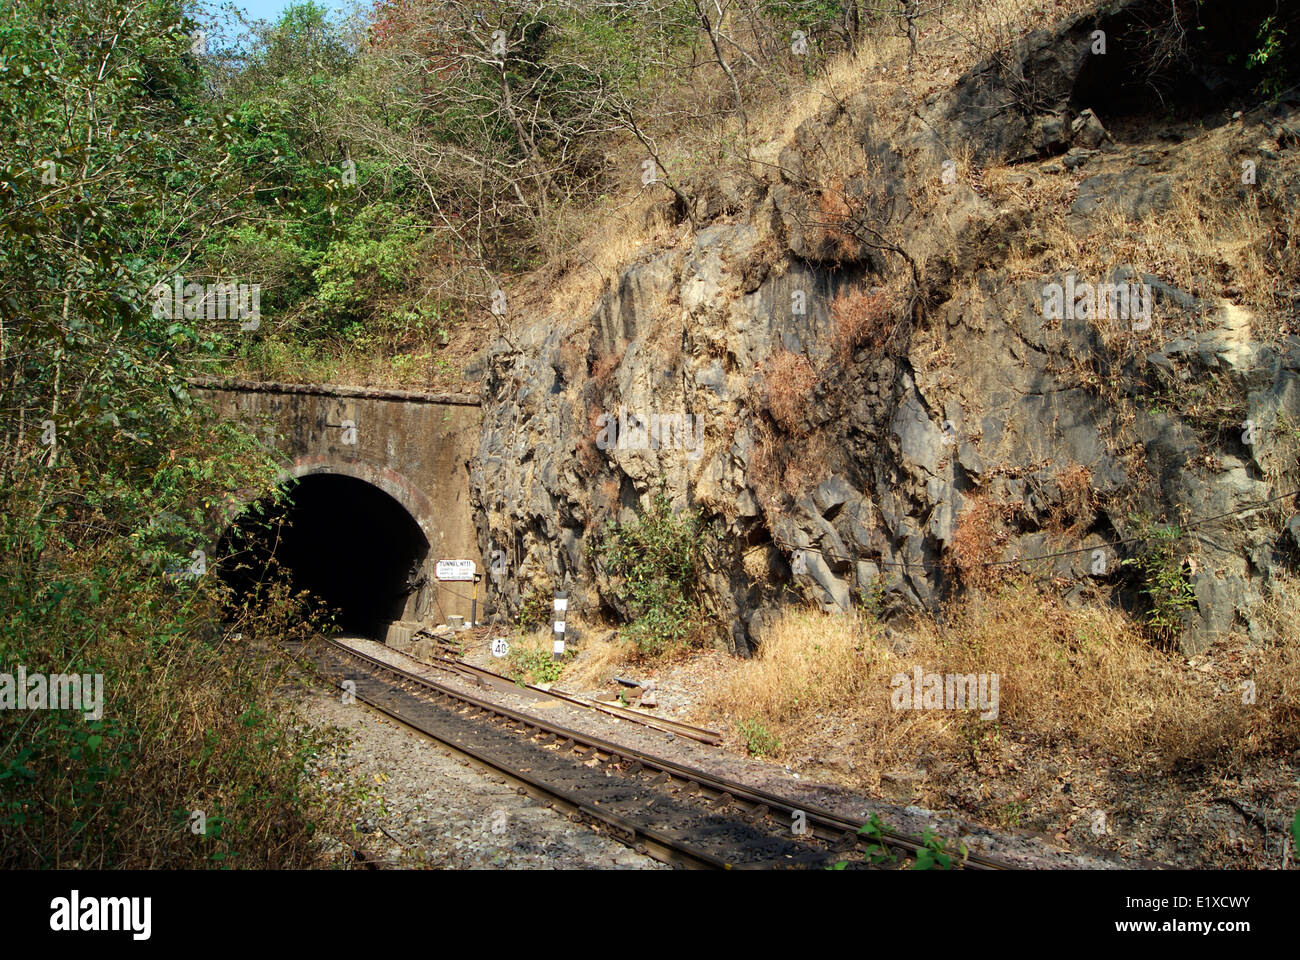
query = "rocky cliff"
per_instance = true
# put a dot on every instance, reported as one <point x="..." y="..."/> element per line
<point x="1031" y="326"/>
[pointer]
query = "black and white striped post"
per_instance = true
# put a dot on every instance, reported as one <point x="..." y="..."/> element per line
<point x="561" y="605"/>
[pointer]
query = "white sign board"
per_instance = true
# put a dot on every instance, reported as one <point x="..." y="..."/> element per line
<point x="455" y="570"/>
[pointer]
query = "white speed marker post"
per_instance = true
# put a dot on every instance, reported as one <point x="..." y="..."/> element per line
<point x="561" y="605"/>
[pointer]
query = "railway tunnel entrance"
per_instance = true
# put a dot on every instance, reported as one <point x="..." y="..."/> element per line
<point x="351" y="546"/>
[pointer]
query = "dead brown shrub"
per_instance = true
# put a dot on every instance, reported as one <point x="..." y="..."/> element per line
<point x="977" y="542"/>
<point x="780" y="465"/>
<point x="1077" y="508"/>
<point x="835" y="216"/>
<point x="571" y="359"/>
<point x="789" y="379"/>
<point x="589" y="455"/>
<point x="861" y="319"/>
<point x="602" y="371"/>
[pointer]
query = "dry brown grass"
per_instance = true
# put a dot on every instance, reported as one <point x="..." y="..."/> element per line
<point x="599" y="659"/>
<point x="1048" y="194"/>
<point x="808" y="466"/>
<point x="1068" y="678"/>
<point x="928" y="194"/>
<point x="590" y="456"/>
<point x="789" y="379"/>
<point x="947" y="47"/>
<point x="608" y="237"/>
<point x="861" y="318"/>
<point x="667" y="330"/>
<point x="977" y="541"/>
<point x="602" y="371"/>
<point x="614" y="234"/>
<point x="1208" y="242"/>
<point x="1077" y="508"/>
<point x="812" y="666"/>
<point x="573" y="359"/>
<point x="781" y="466"/>
<point x="789" y="458"/>
<point x="834" y="224"/>
<point x="587" y="245"/>
<point x="1279" y="455"/>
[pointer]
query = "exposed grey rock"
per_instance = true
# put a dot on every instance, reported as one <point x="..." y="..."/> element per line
<point x="1048" y="133"/>
<point x="694" y="329"/>
<point x="832" y="492"/>
<point x="1215" y="609"/>
<point x="1136" y="192"/>
<point x="867" y="573"/>
<point x="1087" y="132"/>
<point x="836" y="591"/>
<point x="920" y="439"/>
<point x="761" y="622"/>
<point x="1077" y="157"/>
<point x="713" y="377"/>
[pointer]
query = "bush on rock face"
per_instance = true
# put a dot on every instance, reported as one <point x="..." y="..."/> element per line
<point x="652" y="562"/>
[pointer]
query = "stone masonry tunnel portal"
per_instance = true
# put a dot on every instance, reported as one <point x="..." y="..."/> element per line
<point x="380" y="495"/>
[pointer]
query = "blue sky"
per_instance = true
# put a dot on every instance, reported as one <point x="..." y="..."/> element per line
<point x="271" y="9"/>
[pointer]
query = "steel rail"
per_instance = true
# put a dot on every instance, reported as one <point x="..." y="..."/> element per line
<point x="827" y="826"/>
<point x="662" y="724"/>
<point x="643" y="839"/>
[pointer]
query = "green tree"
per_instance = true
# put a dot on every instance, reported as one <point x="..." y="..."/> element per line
<point x="113" y="175"/>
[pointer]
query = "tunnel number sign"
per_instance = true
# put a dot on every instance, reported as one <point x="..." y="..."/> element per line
<point x="455" y="570"/>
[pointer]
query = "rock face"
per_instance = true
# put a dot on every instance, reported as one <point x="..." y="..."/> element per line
<point x="945" y="387"/>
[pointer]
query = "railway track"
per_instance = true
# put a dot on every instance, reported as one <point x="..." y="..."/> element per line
<point x="677" y="814"/>
<point x="486" y="678"/>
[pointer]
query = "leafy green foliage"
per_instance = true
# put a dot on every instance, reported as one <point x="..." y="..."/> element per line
<point x="1269" y="58"/>
<point x="872" y="598"/>
<point x="878" y="852"/>
<point x="533" y="666"/>
<point x="812" y="16"/>
<point x="1159" y="562"/>
<point x="361" y="282"/>
<point x="652" y="562"/>
<point x="933" y="853"/>
<point x="759" y="741"/>
<point x="393" y="172"/>
<point x="115" y="172"/>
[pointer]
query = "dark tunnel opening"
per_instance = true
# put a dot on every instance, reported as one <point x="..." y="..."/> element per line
<point x="355" y="549"/>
